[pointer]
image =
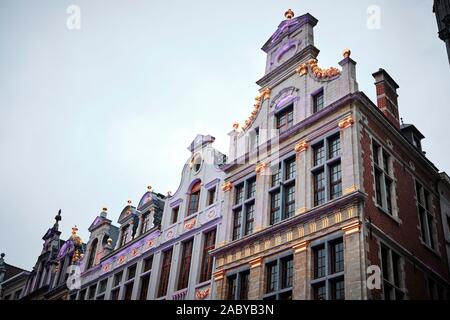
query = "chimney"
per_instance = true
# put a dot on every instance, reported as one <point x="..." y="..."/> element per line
<point x="386" y="89"/>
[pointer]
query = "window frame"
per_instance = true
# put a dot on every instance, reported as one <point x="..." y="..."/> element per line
<point x="329" y="277"/>
<point x="389" y="279"/>
<point x="284" y="183"/>
<point x="242" y="203"/>
<point x="238" y="278"/>
<point x="324" y="168"/>
<point x="287" y="113"/>
<point x="427" y="218"/>
<point x="315" y="96"/>
<point x="207" y="260"/>
<point x="278" y="291"/>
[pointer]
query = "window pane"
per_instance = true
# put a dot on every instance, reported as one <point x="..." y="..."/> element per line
<point x="131" y="272"/>
<point x="165" y="272"/>
<point x="335" y="181"/>
<point x="289" y="202"/>
<point x="337" y="256"/>
<point x="237" y="217"/>
<point x="275" y="212"/>
<point x="144" y="287"/>
<point x="319" y="262"/>
<point x="148" y="262"/>
<point x="249" y="218"/>
<point x="193" y="202"/>
<point x="232" y="287"/>
<point x="175" y="214"/>
<point x="376" y="152"/>
<point x="185" y="265"/>
<point x="388" y="187"/>
<point x="334" y="147"/>
<point x="318" y="102"/>
<point x="243" y="284"/>
<point x="287" y="267"/>
<point x="319" y="154"/>
<point x="378" y="187"/>
<point x="251" y="189"/>
<point x="319" y="188"/>
<point x="239" y="194"/>
<point x="290" y="169"/>
<point x="272" y="277"/>
<point x="276" y="177"/>
<point x="207" y="259"/>
<point x="319" y="292"/>
<point x="338" y="290"/>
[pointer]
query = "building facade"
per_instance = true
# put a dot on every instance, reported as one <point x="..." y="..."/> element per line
<point x="441" y="9"/>
<point x="324" y="195"/>
<point x="325" y="188"/>
<point x="161" y="251"/>
<point x="12" y="280"/>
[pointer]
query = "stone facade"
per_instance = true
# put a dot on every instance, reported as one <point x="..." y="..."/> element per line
<point x="326" y="247"/>
<point x="324" y="195"/>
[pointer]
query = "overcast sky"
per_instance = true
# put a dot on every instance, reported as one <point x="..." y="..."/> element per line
<point x="90" y="117"/>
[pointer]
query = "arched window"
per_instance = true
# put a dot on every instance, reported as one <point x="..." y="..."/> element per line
<point x="92" y="254"/>
<point x="194" y="198"/>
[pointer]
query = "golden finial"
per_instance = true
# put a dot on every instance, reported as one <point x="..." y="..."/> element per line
<point x="289" y="14"/>
<point x="149" y="188"/>
<point x="109" y="241"/>
<point x="346" y="53"/>
<point x="74" y="230"/>
<point x="104" y="209"/>
<point x="129" y="202"/>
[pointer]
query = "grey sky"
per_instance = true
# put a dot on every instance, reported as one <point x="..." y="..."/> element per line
<point x="89" y="118"/>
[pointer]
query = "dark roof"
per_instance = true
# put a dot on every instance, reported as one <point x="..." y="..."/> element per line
<point x="11" y="271"/>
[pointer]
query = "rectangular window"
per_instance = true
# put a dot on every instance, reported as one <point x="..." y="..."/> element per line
<point x="117" y="279"/>
<point x="318" y="102"/>
<point x="282" y="192"/>
<point x="319" y="188"/>
<point x="185" y="265"/>
<point x="194" y="198"/>
<point x="275" y="208"/>
<point x="174" y="216"/>
<point x="131" y="272"/>
<point x="243" y="211"/>
<point x="334" y="147"/>
<point x="211" y="196"/>
<point x="165" y="273"/>
<point x="148" y="263"/>
<point x="318" y="154"/>
<point x="128" y="291"/>
<point x="102" y="286"/>
<point x="326" y="172"/>
<point x="384" y="187"/>
<point x="392" y="274"/>
<point x="289" y="201"/>
<point x="249" y="218"/>
<point x="290" y="169"/>
<point x="272" y="277"/>
<point x="207" y="259"/>
<point x="251" y="189"/>
<point x="426" y="217"/>
<point x="92" y="291"/>
<point x="335" y="181"/>
<point x="279" y="279"/>
<point x="328" y="270"/>
<point x="239" y="194"/>
<point x="237" y="218"/>
<point x="145" y="280"/>
<point x="238" y="285"/>
<point x="276" y="176"/>
<point x="115" y="294"/>
<point x="285" y="119"/>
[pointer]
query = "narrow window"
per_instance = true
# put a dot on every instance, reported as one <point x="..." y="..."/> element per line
<point x="165" y="272"/>
<point x="318" y="102"/>
<point x="207" y="259"/>
<point x="185" y="266"/>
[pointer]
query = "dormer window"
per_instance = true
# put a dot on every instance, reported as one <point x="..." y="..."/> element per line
<point x="318" y="102"/>
<point x="124" y="239"/>
<point x="285" y="119"/>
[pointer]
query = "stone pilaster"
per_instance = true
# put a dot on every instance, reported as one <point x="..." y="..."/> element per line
<point x="302" y="174"/>
<point x="256" y="284"/>
<point x="348" y="165"/>
<point x="262" y="185"/>
<point x="301" y="271"/>
<point x="354" y="273"/>
<point x="220" y="290"/>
